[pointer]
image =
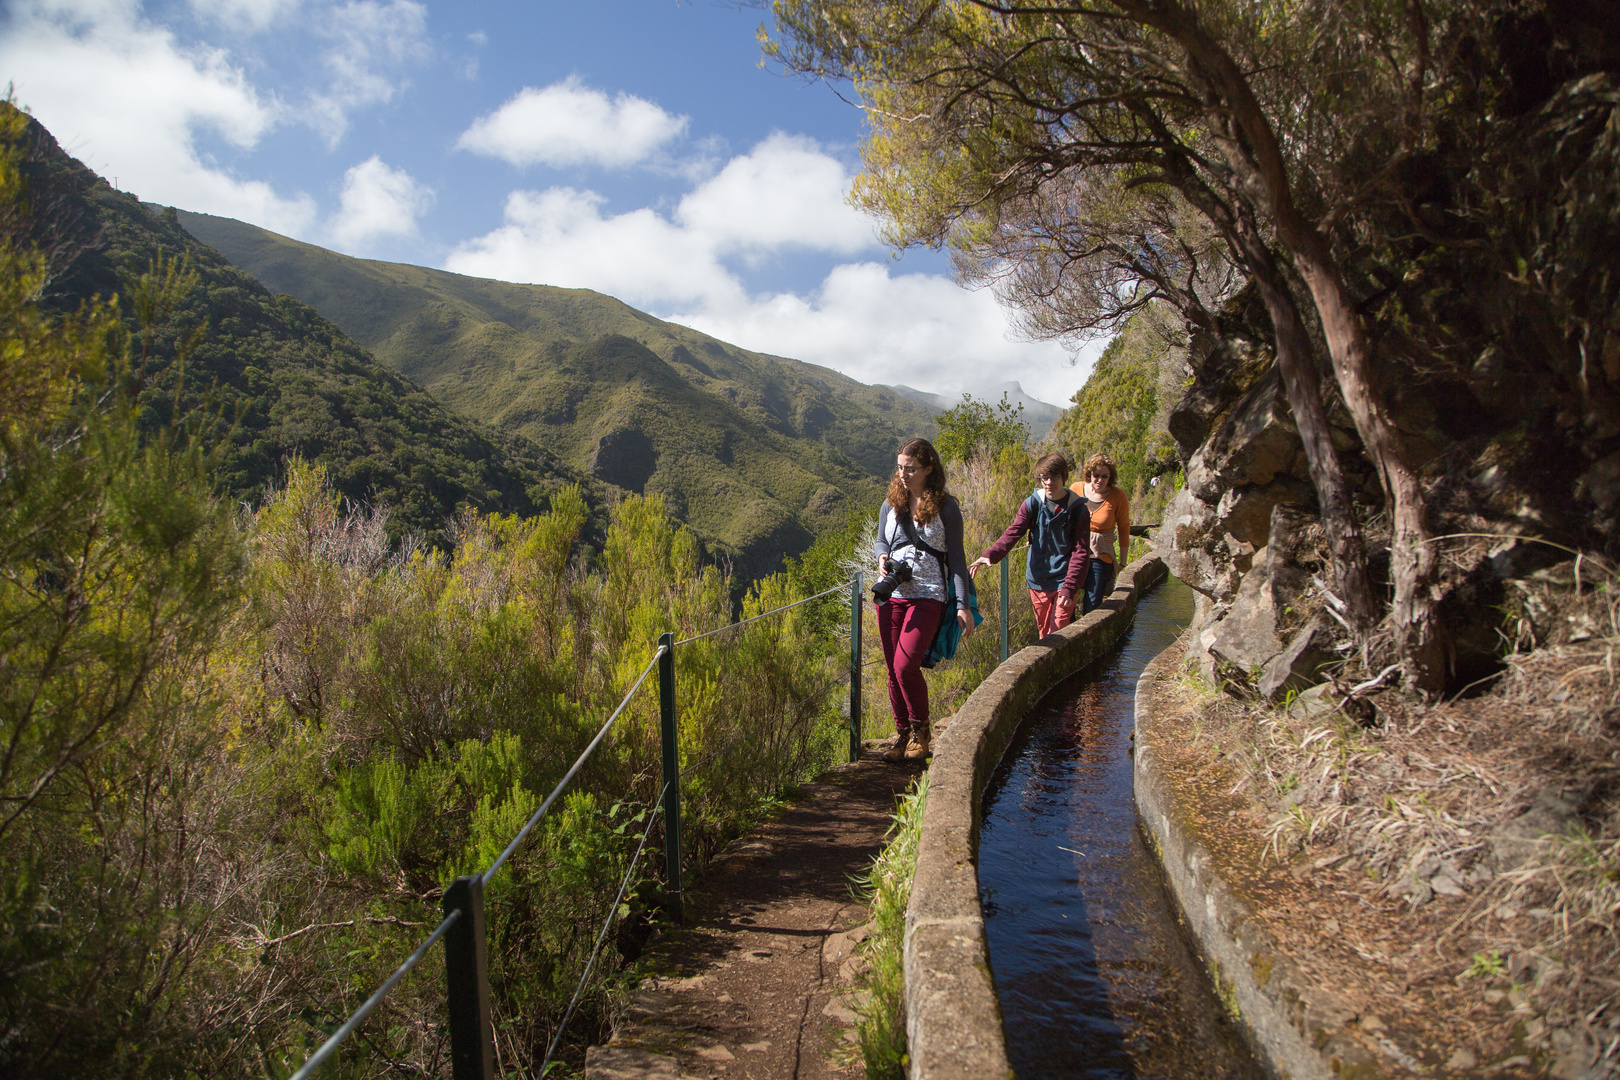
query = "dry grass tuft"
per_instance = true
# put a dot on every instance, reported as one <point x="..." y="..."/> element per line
<point x="1488" y="828"/>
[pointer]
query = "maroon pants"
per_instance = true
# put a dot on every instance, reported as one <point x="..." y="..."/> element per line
<point x="907" y="628"/>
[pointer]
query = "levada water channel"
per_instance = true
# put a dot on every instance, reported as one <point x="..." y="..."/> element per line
<point x="1094" y="971"/>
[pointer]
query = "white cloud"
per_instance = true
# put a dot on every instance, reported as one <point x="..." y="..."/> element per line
<point x="378" y="202"/>
<point x="245" y="15"/>
<point x="922" y="330"/>
<point x="369" y="40"/>
<point x="128" y="100"/>
<point x="559" y="237"/>
<point x="568" y="123"/>
<point x="786" y="194"/>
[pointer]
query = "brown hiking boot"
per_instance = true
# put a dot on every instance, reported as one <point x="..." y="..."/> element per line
<point x="918" y="747"/>
<point x="895" y="750"/>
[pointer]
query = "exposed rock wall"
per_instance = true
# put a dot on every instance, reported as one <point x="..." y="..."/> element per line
<point x="1485" y="279"/>
<point x="1243" y="531"/>
<point x="1513" y="487"/>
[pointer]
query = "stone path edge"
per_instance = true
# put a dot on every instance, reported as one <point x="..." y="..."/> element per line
<point x="953" y="1018"/>
<point x="1295" y="1027"/>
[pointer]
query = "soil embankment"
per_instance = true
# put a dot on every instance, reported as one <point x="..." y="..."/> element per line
<point x="1495" y="964"/>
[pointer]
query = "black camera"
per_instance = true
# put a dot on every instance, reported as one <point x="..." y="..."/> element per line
<point x="884" y="587"/>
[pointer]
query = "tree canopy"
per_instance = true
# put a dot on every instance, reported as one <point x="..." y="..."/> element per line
<point x="1092" y="158"/>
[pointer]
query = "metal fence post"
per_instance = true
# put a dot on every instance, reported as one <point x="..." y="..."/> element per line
<point x="466" y="967"/>
<point x="1004" y="587"/>
<point x="855" y="667"/>
<point x="668" y="738"/>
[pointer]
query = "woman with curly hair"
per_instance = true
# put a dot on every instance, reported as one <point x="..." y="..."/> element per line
<point x="920" y="528"/>
<point x="1110" y="518"/>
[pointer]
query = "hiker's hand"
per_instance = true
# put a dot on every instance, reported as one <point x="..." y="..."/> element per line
<point x="976" y="565"/>
<point x="965" y="621"/>
<point x="1065" y="602"/>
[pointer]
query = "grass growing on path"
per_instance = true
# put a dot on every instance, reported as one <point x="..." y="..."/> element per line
<point x="887" y="889"/>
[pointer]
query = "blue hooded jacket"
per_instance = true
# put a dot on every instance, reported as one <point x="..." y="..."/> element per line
<point x="1058" y="533"/>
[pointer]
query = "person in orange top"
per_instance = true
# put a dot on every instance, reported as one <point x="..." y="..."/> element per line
<point x="1110" y="518"/>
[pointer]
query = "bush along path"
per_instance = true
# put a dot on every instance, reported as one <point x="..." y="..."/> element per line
<point x="761" y="981"/>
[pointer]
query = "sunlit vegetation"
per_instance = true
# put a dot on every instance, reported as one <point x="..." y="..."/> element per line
<point x="756" y="453"/>
<point x="887" y="889"/>
<point x="975" y="428"/>
<point x="244" y="747"/>
<point x="1121" y="412"/>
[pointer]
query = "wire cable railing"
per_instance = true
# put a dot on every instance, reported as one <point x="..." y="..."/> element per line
<point x="764" y="614"/>
<point x="1006" y="591"/>
<point x="472" y="1053"/>
<point x="330" y="1046"/>
<point x="462" y="929"/>
<point x="573" y="770"/>
<point x="613" y="911"/>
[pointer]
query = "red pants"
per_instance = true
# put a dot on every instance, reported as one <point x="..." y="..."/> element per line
<point x="1048" y="616"/>
<point x="907" y="628"/>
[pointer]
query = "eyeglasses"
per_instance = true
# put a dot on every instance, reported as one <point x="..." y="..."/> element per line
<point x="1044" y="477"/>
<point x="909" y="469"/>
<point x="1104" y="477"/>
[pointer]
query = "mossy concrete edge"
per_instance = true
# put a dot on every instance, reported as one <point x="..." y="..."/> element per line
<point x="953" y="1019"/>
<point x="1296" y="1028"/>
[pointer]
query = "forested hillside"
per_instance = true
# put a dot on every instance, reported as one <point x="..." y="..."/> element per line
<point x="1123" y="410"/>
<point x="756" y="452"/>
<point x="243" y="748"/>
<point x="268" y="376"/>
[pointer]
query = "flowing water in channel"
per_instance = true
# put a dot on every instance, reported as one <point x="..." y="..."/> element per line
<point x="1095" y="974"/>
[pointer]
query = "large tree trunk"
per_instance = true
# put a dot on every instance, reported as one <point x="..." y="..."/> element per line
<point x="1413" y="563"/>
<point x="1296" y="364"/>
<point x="1252" y="150"/>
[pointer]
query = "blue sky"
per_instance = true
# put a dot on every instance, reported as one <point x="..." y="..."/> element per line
<point x="637" y="147"/>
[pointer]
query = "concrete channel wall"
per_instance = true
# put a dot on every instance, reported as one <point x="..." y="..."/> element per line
<point x="953" y="1020"/>
<point x="1295" y="1026"/>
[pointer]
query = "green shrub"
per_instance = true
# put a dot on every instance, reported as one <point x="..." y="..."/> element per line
<point x="246" y="750"/>
<point x="887" y="889"/>
<point x="976" y="429"/>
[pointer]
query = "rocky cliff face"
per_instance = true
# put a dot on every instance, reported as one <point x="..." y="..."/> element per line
<point x="1514" y="489"/>
<point x="1242" y="531"/>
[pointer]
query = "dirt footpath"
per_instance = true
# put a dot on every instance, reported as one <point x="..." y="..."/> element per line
<point x="758" y="983"/>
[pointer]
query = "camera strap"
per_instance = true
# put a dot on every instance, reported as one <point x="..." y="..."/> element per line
<point x="918" y="542"/>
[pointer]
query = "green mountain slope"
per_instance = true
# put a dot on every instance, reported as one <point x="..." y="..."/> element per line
<point x="738" y="441"/>
<point x="276" y="377"/>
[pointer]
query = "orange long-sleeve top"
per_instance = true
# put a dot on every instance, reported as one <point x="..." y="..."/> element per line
<point x="1114" y="513"/>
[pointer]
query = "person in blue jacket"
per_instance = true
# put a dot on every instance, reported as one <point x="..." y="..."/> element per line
<point x="1059" y="528"/>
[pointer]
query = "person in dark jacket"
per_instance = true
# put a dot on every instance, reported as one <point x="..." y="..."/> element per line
<point x="920" y="526"/>
<point x="1058" y="526"/>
